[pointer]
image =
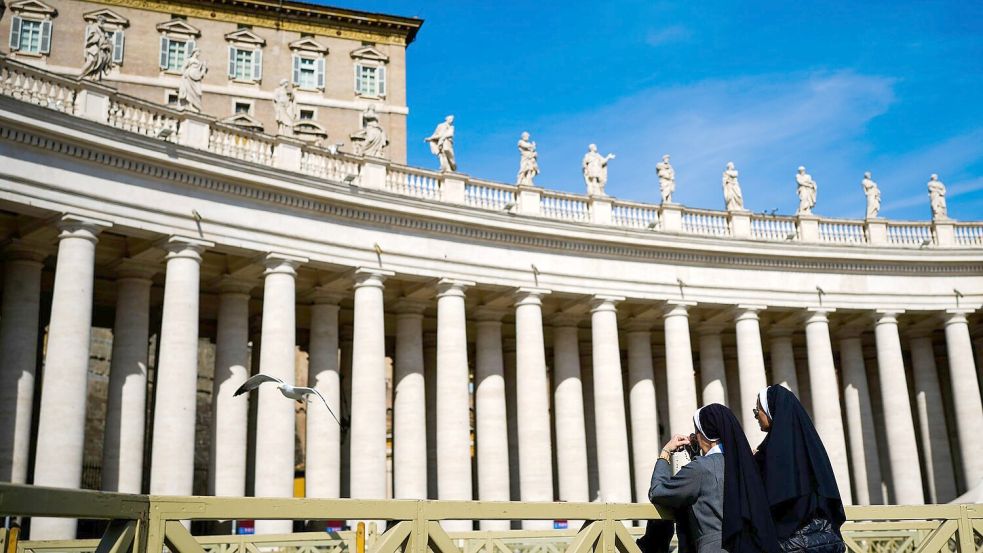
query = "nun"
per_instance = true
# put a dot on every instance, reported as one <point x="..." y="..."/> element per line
<point x="718" y="498"/>
<point x="798" y="477"/>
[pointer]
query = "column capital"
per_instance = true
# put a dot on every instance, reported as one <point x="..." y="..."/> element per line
<point x="744" y="312"/>
<point x="372" y="277"/>
<point x="322" y="295"/>
<point x="678" y="308"/>
<point x="282" y="263"/>
<point x="818" y="314"/>
<point x="410" y="307"/>
<point x="184" y="247"/>
<point x="452" y="287"/>
<point x="227" y="284"/>
<point x="488" y="314"/>
<point x="887" y="316"/>
<point x="529" y="296"/>
<point x="80" y="226"/>
<point x="18" y="249"/>
<point x="603" y="302"/>
<point x="128" y="268"/>
<point x="957" y="316"/>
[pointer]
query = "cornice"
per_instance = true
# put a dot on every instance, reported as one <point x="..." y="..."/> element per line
<point x="598" y="245"/>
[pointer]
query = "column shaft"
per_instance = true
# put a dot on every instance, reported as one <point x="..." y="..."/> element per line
<point x="430" y="383"/>
<point x="751" y="364"/>
<point x="409" y="405"/>
<point x="826" y="399"/>
<point x="931" y="422"/>
<point x="680" y="377"/>
<point x="900" y="427"/>
<point x="532" y="401"/>
<point x="345" y="354"/>
<point x="609" y="403"/>
<point x="713" y="374"/>
<point x="19" y="316"/>
<point x="783" y="361"/>
<point x="323" y="456"/>
<point x="645" y="446"/>
<point x="568" y="399"/>
<point x="864" y="457"/>
<point x="126" y="398"/>
<point x="491" y="425"/>
<point x="965" y="395"/>
<point x="61" y="422"/>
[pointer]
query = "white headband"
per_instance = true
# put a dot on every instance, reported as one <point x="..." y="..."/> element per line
<point x="699" y="428"/>
<point x="763" y="399"/>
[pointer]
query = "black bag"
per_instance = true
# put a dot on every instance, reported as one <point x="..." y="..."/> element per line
<point x="818" y="536"/>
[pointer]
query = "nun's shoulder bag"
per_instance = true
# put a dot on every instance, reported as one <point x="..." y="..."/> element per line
<point x="818" y="536"/>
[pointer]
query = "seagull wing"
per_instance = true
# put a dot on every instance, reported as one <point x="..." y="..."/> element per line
<point x="317" y="392"/>
<point x="254" y="381"/>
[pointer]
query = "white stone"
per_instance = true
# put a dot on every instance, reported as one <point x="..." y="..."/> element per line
<point x="936" y="196"/>
<point x="864" y="457"/>
<point x="491" y="425"/>
<point x="442" y="144"/>
<point x="873" y="194"/>
<point x="595" y="167"/>
<point x="645" y="446"/>
<point x="568" y="402"/>
<point x="806" y="190"/>
<point x="323" y="457"/>
<point x="528" y="165"/>
<point x="667" y="179"/>
<point x="966" y="399"/>
<point x="611" y="429"/>
<point x="750" y="359"/>
<point x="940" y="477"/>
<point x="409" y="404"/>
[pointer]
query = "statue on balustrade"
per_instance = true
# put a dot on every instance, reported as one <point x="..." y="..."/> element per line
<point x="936" y="194"/>
<point x="595" y="168"/>
<point x="192" y="74"/>
<point x="667" y="179"/>
<point x="528" y="166"/>
<point x="371" y="139"/>
<point x="806" y="191"/>
<point x="98" y="50"/>
<point x="733" y="198"/>
<point x="873" y="196"/>
<point x="285" y="107"/>
<point x="442" y="144"/>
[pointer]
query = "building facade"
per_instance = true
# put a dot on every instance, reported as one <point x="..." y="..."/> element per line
<point x="542" y="344"/>
<point x="339" y="62"/>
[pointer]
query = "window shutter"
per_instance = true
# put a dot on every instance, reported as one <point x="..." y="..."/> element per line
<point x="164" y="42"/>
<point x="320" y="72"/>
<point x="46" y="36"/>
<point x="15" y="33"/>
<point x="232" y="62"/>
<point x="296" y="69"/>
<point x="381" y="78"/>
<point x="358" y="79"/>
<point x="118" y="40"/>
<point x="257" y="65"/>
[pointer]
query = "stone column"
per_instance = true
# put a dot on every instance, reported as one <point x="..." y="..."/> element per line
<point x="61" y="421"/>
<point x="645" y="446"/>
<point x="898" y="422"/>
<point x="453" y="409"/>
<point x="783" y="359"/>
<point x="508" y="351"/>
<point x="323" y="454"/>
<point x="609" y="402"/>
<point x="713" y="374"/>
<point x="409" y="404"/>
<point x="19" y="316"/>
<point x="568" y="407"/>
<point x="680" y="377"/>
<point x="126" y="398"/>
<point x="275" y="417"/>
<point x="230" y="415"/>
<point x="532" y="401"/>
<point x="864" y="457"/>
<point x="965" y="394"/>
<point x="491" y="425"/>
<point x="931" y="420"/>
<point x="368" y="400"/>
<point x="430" y="384"/>
<point x="826" y="398"/>
<point x="751" y="363"/>
<point x="345" y="353"/>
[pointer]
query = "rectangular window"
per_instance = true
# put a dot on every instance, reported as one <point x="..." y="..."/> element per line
<point x="306" y="72"/>
<point x="172" y="98"/>
<point x="243" y="107"/>
<point x="117" y="39"/>
<point x="306" y="115"/>
<point x="245" y="65"/>
<point x="172" y="52"/>
<point x="26" y="35"/>
<point x="370" y="80"/>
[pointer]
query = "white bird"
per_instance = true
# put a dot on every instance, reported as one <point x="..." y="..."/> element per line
<point x="298" y="393"/>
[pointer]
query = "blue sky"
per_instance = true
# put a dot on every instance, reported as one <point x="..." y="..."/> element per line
<point x="894" y="87"/>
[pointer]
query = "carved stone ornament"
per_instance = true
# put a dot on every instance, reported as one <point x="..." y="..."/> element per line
<point x="442" y="144"/>
<point x="595" y="167"/>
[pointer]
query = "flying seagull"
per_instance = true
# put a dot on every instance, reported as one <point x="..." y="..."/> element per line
<point x="298" y="393"/>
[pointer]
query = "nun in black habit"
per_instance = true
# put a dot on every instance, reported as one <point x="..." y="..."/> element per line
<point x="718" y="499"/>
<point x="798" y="477"/>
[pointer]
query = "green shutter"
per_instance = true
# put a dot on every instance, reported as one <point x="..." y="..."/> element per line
<point x="15" y="33"/>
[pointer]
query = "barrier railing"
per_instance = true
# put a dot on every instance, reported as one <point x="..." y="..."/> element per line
<point x="100" y="103"/>
<point x="148" y="523"/>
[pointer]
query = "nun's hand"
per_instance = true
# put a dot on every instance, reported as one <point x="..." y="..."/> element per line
<point x="676" y="442"/>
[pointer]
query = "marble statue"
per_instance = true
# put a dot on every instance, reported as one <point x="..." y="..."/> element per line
<point x="284" y="107"/>
<point x="936" y="195"/>
<point x="595" y="168"/>
<point x="528" y="166"/>
<point x="667" y="179"/>
<point x="442" y="144"/>
<point x="192" y="74"/>
<point x="873" y="196"/>
<point x="372" y="139"/>
<point x="733" y="198"/>
<point x="806" y="191"/>
<point x="98" y="50"/>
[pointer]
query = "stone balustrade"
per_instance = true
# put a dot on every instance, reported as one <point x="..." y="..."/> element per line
<point x="103" y="104"/>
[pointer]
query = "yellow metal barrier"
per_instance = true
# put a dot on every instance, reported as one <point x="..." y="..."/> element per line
<point x="148" y="523"/>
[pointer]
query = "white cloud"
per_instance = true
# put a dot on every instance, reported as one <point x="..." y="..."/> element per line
<point x="665" y="35"/>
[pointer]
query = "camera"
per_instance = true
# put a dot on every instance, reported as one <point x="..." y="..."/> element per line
<point x="693" y="447"/>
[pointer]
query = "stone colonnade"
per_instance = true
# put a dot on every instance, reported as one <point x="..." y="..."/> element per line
<point x="579" y="412"/>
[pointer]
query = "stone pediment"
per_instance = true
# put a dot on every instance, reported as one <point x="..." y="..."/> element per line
<point x="32" y="6"/>
<point x="244" y="121"/>
<point x="112" y="18"/>
<point x="308" y="44"/>
<point x="178" y="27"/>
<point x="369" y="53"/>
<point x="309" y="130"/>
<point x="245" y="36"/>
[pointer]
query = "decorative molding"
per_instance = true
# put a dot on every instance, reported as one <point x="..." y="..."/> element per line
<point x="178" y="27"/>
<point x="369" y="53"/>
<point x="112" y="18"/>
<point x="244" y="121"/>
<point x="247" y="37"/>
<point x="308" y="44"/>
<point x="32" y="6"/>
<point x="599" y="247"/>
